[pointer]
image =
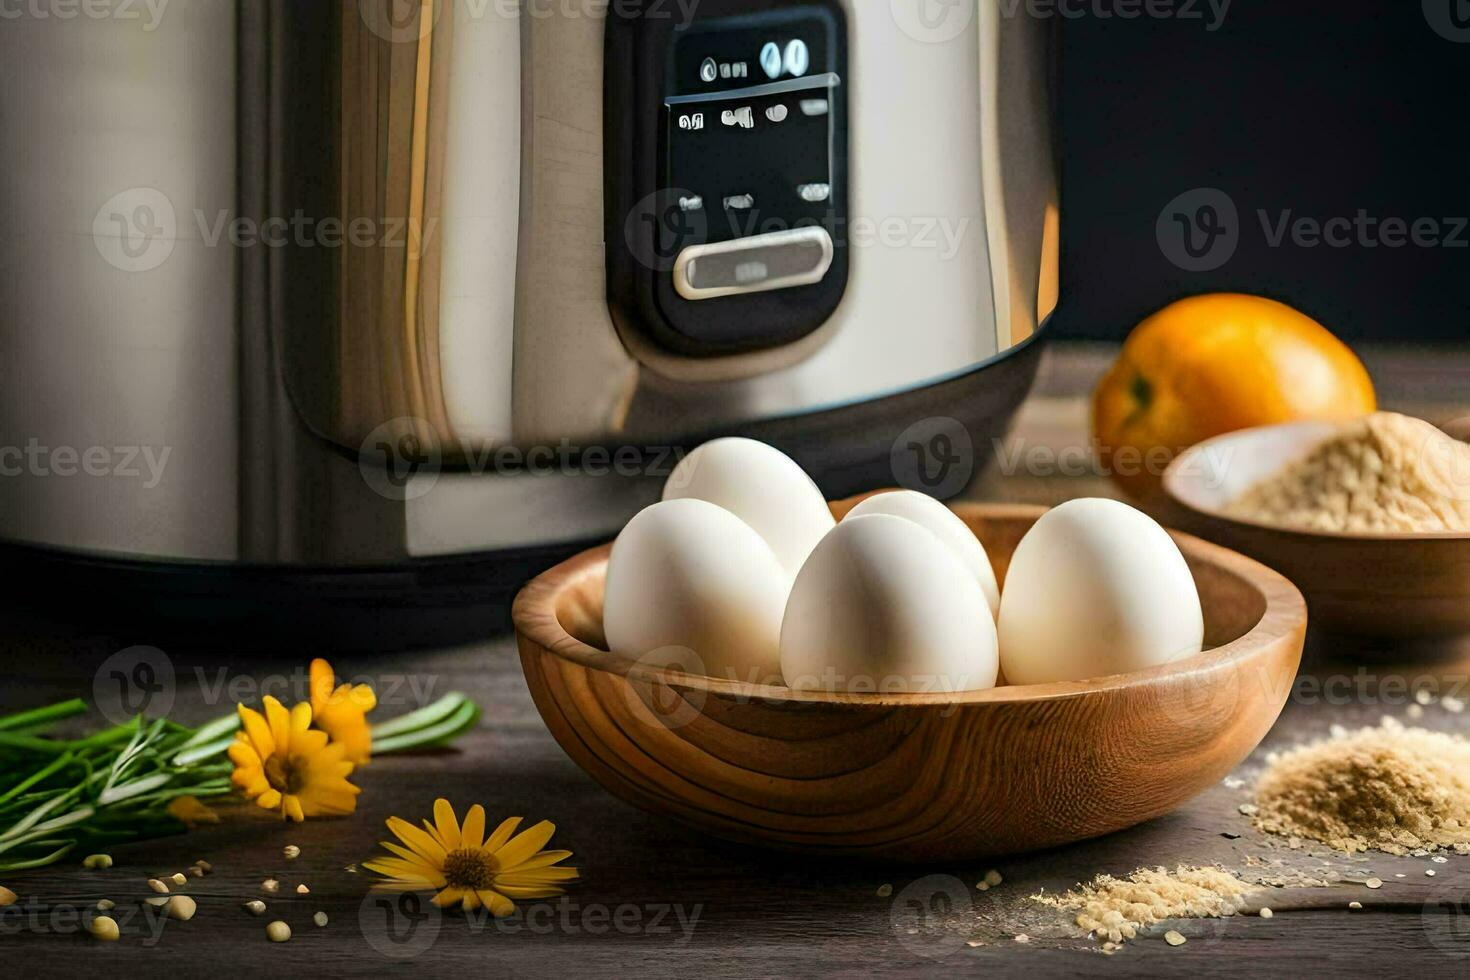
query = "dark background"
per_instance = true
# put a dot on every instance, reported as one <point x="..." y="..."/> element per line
<point x="1316" y="106"/>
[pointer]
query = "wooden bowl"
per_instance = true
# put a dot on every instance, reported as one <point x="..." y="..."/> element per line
<point x="916" y="777"/>
<point x="1371" y="587"/>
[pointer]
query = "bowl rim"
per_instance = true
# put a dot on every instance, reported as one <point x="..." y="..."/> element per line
<point x="1173" y="477"/>
<point x="1285" y="615"/>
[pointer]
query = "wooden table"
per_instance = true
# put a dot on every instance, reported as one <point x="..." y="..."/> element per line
<point x="657" y="901"/>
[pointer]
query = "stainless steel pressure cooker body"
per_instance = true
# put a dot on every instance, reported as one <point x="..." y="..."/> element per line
<point x="368" y="291"/>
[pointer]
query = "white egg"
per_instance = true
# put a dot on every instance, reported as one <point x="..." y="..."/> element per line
<point x="1096" y="588"/>
<point x="764" y="488"/>
<point x="883" y="606"/>
<point x="929" y="513"/>
<point x="687" y="574"/>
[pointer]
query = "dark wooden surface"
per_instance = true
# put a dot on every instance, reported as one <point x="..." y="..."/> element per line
<point x="753" y="913"/>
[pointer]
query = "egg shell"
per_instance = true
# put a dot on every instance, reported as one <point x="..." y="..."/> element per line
<point x="687" y="575"/>
<point x="882" y="606"/>
<point x="1095" y="588"/>
<point x="763" y="487"/>
<point x="955" y="534"/>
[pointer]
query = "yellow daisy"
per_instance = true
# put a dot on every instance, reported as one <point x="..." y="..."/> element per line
<point x="281" y="762"/>
<point x="341" y="712"/>
<point x="467" y="868"/>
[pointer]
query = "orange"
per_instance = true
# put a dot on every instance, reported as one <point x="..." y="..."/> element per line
<point x="1213" y="364"/>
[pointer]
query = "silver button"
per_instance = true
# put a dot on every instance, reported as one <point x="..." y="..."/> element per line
<point x="709" y="71"/>
<point x="779" y="260"/>
<point x="815" y="107"/>
<point x="739" y="202"/>
<point x="771" y="59"/>
<point x="777" y="113"/>
<point x="814" y="193"/>
<point x="798" y="58"/>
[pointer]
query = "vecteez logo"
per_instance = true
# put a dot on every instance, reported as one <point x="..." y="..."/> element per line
<point x="147" y="13"/>
<point x="935" y="456"/>
<point x="1449" y="18"/>
<point x="1201" y="229"/>
<point x="136" y="229"/>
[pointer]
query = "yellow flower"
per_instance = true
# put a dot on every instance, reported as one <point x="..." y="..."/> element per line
<point x="467" y="868"/>
<point x="189" y="811"/>
<point x="341" y="712"/>
<point x="281" y="762"/>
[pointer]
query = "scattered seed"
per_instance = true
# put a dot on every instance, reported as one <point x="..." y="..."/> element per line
<point x="320" y="919"/>
<point x="1233" y="783"/>
<point x="1249" y="809"/>
<point x="975" y="942"/>
<point x="1440" y="859"/>
<point x="993" y="878"/>
<point x="256" y="907"/>
<point x="351" y="869"/>
<point x="1453" y="705"/>
<point x="1424" y="696"/>
<point x="1022" y="938"/>
<point x="278" y="932"/>
<point x="1266" y="913"/>
<point x="196" y="871"/>
<point x="302" y="890"/>
<point x="1175" y="938"/>
<point x="106" y="905"/>
<point x="1401" y="876"/>
<point x="983" y="886"/>
<point x="1355" y="905"/>
<point x="885" y="890"/>
<point x="182" y="907"/>
<point x="1374" y="882"/>
<point x="270" y="885"/>
<point x="291" y="851"/>
<point x="1415" y="712"/>
<point x="7" y="897"/>
<point x="157" y="901"/>
<point x="1429" y="873"/>
<point x="104" y="927"/>
<point x="97" y="861"/>
<point x="158" y="886"/>
<point x="204" y="866"/>
<point x="179" y="879"/>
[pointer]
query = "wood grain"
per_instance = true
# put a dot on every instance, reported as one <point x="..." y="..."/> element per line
<point x="916" y="777"/>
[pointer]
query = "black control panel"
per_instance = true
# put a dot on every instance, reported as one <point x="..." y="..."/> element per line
<point x="727" y="148"/>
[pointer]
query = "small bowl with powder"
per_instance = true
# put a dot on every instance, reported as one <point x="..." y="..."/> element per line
<point x="1370" y="519"/>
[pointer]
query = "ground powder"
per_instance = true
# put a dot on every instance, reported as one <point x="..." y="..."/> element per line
<point x="1384" y="474"/>
<point x="1388" y="788"/>
<point x="1115" y="908"/>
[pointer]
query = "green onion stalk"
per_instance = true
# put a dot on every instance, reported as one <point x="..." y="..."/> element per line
<point x="116" y="784"/>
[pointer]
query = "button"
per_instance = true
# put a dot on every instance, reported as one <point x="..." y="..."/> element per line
<point x="739" y="202"/>
<point x="779" y="260"/>
<point x="776" y="113"/>
<point x="741" y="117"/>
<point x="709" y="70"/>
<point x="771" y="59"/>
<point x="814" y="193"/>
<point x="798" y="58"/>
<point x="695" y="203"/>
<point x="815" y="107"/>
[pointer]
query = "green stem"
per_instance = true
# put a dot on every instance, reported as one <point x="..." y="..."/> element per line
<point x="36" y="777"/>
<point x="43" y="716"/>
<point x="430" y="714"/>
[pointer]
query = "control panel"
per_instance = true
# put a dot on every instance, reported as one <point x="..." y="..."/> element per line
<point x="727" y="155"/>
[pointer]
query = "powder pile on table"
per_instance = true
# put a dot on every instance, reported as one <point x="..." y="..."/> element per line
<point x="1384" y="474"/>
<point x="1387" y="788"/>
<point x="1115" y="908"/>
